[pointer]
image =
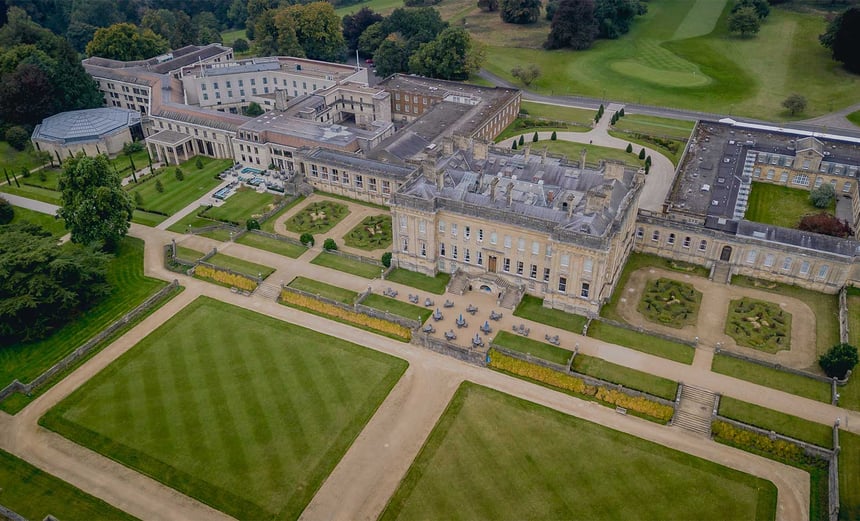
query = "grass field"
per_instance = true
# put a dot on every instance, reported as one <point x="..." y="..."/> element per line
<point x="574" y="115"/>
<point x="243" y="205"/>
<point x="435" y="284"/>
<point x="33" y="192"/>
<point x="773" y="378"/>
<point x="123" y="164"/>
<point x="228" y="37"/>
<point x="326" y="290"/>
<point x="780" y="205"/>
<point x="35" y="494"/>
<point x="630" y="378"/>
<point x="280" y="247"/>
<point x="56" y="226"/>
<point x="849" y="476"/>
<point x="854" y="117"/>
<point x="383" y="7"/>
<point x="347" y="265"/>
<point x="240" y="265"/>
<point x="130" y="288"/>
<point x="179" y="194"/>
<point x="531" y="308"/>
<point x="786" y="424"/>
<point x="656" y="126"/>
<point x="494" y="456"/>
<point x="51" y="178"/>
<point x="825" y="307"/>
<point x="14" y="160"/>
<point x="188" y="254"/>
<point x="641" y="342"/>
<point x="594" y="153"/>
<point x="396" y="307"/>
<point x="535" y="348"/>
<point x="241" y="411"/>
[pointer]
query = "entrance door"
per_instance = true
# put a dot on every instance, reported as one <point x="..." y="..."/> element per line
<point x="726" y="254"/>
<point x="491" y="263"/>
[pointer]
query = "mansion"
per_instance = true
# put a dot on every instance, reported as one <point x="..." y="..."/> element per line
<point x="554" y="227"/>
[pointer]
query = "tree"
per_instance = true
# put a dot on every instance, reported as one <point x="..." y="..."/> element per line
<point x="614" y="17"/>
<point x="306" y="239"/>
<point x="26" y="95"/>
<point x="355" y="24"/>
<point x="554" y="136"/>
<point x="826" y="224"/>
<point x="253" y="110"/>
<point x="198" y="163"/>
<point x="180" y="176"/>
<point x="761" y="7"/>
<point x="526" y="74"/>
<point x="642" y="154"/>
<point x="390" y="58"/>
<point x="621" y="113"/>
<point x="535" y="137"/>
<point x="126" y="42"/>
<point x="7" y="211"/>
<point x="371" y="39"/>
<point x="629" y="148"/>
<point x="744" y="21"/>
<point x="317" y="29"/>
<point x="18" y="137"/>
<point x="838" y="360"/>
<point x="514" y="145"/>
<point x="174" y="26"/>
<point x="519" y="11"/>
<point x="45" y="284"/>
<point x="252" y="224"/>
<point x="521" y="141"/>
<point x="329" y="244"/>
<point x="795" y="104"/>
<point x="159" y="187"/>
<point x="95" y="207"/>
<point x="842" y="37"/>
<point x="241" y="45"/>
<point x="386" y="259"/>
<point x="451" y="56"/>
<point x="822" y="196"/>
<point x="415" y="25"/>
<point x="488" y="5"/>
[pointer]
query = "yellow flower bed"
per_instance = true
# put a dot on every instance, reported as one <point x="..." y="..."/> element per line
<point x="571" y="383"/>
<point x="226" y="278"/>
<point x="744" y="438"/>
<point x="359" y="319"/>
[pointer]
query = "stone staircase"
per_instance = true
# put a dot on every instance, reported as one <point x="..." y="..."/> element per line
<point x="458" y="283"/>
<point x="721" y="273"/>
<point x="694" y="410"/>
<point x="267" y="290"/>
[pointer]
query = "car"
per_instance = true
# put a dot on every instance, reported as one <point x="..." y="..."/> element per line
<point x="369" y="61"/>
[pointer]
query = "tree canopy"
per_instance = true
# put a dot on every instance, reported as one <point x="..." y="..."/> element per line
<point x="843" y="38"/>
<point x="573" y="25"/>
<point x="355" y="24"/>
<point x="744" y="21"/>
<point x="451" y="56"/>
<point x="826" y="224"/>
<point x="838" y="360"/>
<point x="43" y="284"/>
<point x="95" y="207"/>
<point x="126" y="42"/>
<point x="519" y="11"/>
<point x="311" y="30"/>
<point x="795" y="104"/>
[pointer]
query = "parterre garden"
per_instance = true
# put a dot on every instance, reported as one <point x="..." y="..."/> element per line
<point x="318" y="217"/>
<point x="241" y="411"/>
<point x="373" y="233"/>
<point x="759" y="324"/>
<point x="670" y="302"/>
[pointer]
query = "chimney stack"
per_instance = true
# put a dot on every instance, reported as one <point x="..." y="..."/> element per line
<point x="280" y="99"/>
<point x="582" y="159"/>
<point x="428" y="169"/>
<point x="613" y="170"/>
<point x="493" y="184"/>
<point x="440" y="179"/>
<point x="543" y="155"/>
<point x="526" y="153"/>
<point x="480" y="150"/>
<point x="595" y="200"/>
<point x="509" y="193"/>
<point x="447" y="145"/>
<point x="570" y="205"/>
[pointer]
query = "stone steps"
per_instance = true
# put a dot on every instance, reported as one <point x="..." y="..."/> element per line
<point x="692" y="422"/>
<point x="265" y="290"/>
<point x="694" y="410"/>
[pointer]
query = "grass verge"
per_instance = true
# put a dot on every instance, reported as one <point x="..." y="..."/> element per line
<point x="316" y="287"/>
<point x="280" y="247"/>
<point x="630" y="378"/>
<point x="547" y="352"/>
<point x="531" y="308"/>
<point x="786" y="424"/>
<point x="396" y="307"/>
<point x="347" y="265"/>
<point x="434" y="285"/>
<point x="773" y="378"/>
<point x="641" y="341"/>
<point x="240" y="265"/>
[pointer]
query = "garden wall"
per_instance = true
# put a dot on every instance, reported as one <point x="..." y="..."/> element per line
<point x="472" y="356"/>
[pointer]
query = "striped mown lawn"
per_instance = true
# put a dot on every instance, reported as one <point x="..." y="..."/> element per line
<point x="241" y="411"/>
<point x="242" y="205"/>
<point x="176" y="194"/>
<point x="494" y="456"/>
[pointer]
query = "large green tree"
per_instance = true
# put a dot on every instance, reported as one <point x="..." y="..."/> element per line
<point x="451" y="56"/>
<point x="126" y="42"/>
<point x="95" y="207"/>
<point x="317" y="28"/>
<point x="843" y="38"/>
<point x="355" y="24"/>
<point x="519" y="11"/>
<point x="390" y="58"/>
<point x="573" y="25"/>
<point x="42" y="284"/>
<point x="173" y="26"/>
<point x="744" y="21"/>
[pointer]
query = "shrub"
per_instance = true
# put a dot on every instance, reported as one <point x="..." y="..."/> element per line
<point x="822" y="196"/>
<point x="252" y="224"/>
<point x="138" y="199"/>
<point x="621" y="113"/>
<point x="198" y="163"/>
<point x="521" y="141"/>
<point x="514" y="145"/>
<point x="554" y="136"/>
<point x="780" y="449"/>
<point x="179" y="175"/>
<point x="642" y="154"/>
<point x="132" y="147"/>
<point x="629" y="148"/>
<point x="158" y="186"/>
<point x="24" y="172"/>
<point x="226" y="278"/>
<point x="386" y="259"/>
<point x="838" y="360"/>
<point x="307" y="239"/>
<point x="353" y="317"/>
<point x="17" y="136"/>
<point x="826" y="224"/>
<point x="241" y="45"/>
<point x="648" y="160"/>
<point x="7" y="211"/>
<point x="329" y="244"/>
<point x="535" y="137"/>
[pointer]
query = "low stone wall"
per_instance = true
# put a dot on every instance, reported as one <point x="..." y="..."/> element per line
<point x="833" y="478"/>
<point x="808" y="448"/>
<point x="843" y="315"/>
<point x="11" y="515"/>
<point x="77" y="354"/>
<point x="472" y="356"/>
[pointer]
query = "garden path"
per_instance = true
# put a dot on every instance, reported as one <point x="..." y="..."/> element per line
<point x="713" y="312"/>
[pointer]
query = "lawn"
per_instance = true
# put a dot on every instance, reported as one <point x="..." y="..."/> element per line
<point x="495" y="456"/>
<point x="671" y="148"/>
<point x="677" y="129"/>
<point x="574" y="115"/>
<point x="347" y="265"/>
<point x="35" y="494"/>
<point x="318" y="217"/>
<point x="240" y="265"/>
<point x="396" y="307"/>
<point x="670" y="303"/>
<point x="383" y="7"/>
<point x="825" y="307"/>
<point x="122" y="164"/>
<point x="130" y="288"/>
<point x="641" y="342"/>
<point x="228" y="37"/>
<point x="241" y="411"/>
<point x="56" y="226"/>
<point x="531" y="308"/>
<point x="14" y="160"/>
<point x="773" y="378"/>
<point x="373" y="233"/>
<point x="547" y="352"/>
<point x="46" y="178"/>
<point x="179" y="194"/>
<point x="630" y="378"/>
<point x="417" y="280"/>
<point x="785" y="424"/>
<point x="680" y="55"/>
<point x="269" y="225"/>
<point x="849" y="476"/>
<point x="594" y="153"/>
<point x="316" y="287"/>
<point x="637" y="261"/>
<point x="758" y="324"/>
<point x="33" y="192"/>
<point x="278" y="246"/>
<point x="191" y="220"/>
<point x="854" y="117"/>
<point x="188" y="254"/>
<point x="780" y="205"/>
<point x="243" y="205"/>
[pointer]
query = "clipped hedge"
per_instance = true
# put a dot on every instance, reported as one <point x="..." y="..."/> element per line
<point x="779" y="449"/>
<point x="226" y="278"/>
<point x="352" y="317"/>
<point x="576" y="385"/>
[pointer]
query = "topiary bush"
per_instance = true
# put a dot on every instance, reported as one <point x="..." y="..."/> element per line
<point x="179" y="174"/>
<point x="198" y="163"/>
<point x="329" y="244"/>
<point x="252" y="224"/>
<point x="838" y="360"/>
<point x="307" y="239"/>
<point x="386" y="259"/>
<point x="629" y="148"/>
<point x="554" y="136"/>
<point x="642" y="154"/>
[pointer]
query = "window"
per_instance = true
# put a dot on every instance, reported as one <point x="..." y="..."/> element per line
<point x="423" y="249"/>
<point x="655" y="235"/>
<point x="335" y="178"/>
<point x="757" y="172"/>
<point x="587" y="265"/>
<point x="359" y="182"/>
<point x="533" y="271"/>
<point x="325" y="172"/>
<point x="422" y="226"/>
<point x="640" y="232"/>
<point x="769" y="259"/>
<point x="467" y="232"/>
<point x="453" y="230"/>
<point x="806" y="164"/>
<point x="402" y="222"/>
<point x="314" y="172"/>
<point x="494" y="238"/>
<point x="535" y="247"/>
<point x="801" y="179"/>
<point x="386" y="187"/>
<point x="549" y="250"/>
<point x="804" y="268"/>
<point x="441" y="226"/>
<point x="783" y="177"/>
<point x="507" y="241"/>
<point x="467" y="255"/>
<point x="686" y="242"/>
<point x="703" y="245"/>
<point x="345" y="178"/>
<point x="562" y="284"/>
<point x="751" y="255"/>
<point x="405" y="244"/>
<point x="215" y="85"/>
<point x="565" y="260"/>
<point x="480" y="235"/>
<point x="847" y="186"/>
<point x="372" y="186"/>
<point x="822" y="271"/>
<point x="786" y="264"/>
<point x="454" y="251"/>
<point x="519" y="267"/>
<point x="480" y="258"/>
<point x="818" y="181"/>
<point x="671" y="239"/>
<point x="546" y="274"/>
<point x="506" y="265"/>
<point x="770" y="173"/>
<point x="441" y="249"/>
<point x="521" y="244"/>
<point x="586" y="287"/>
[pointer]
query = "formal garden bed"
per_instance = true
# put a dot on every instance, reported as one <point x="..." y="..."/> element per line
<point x="318" y="217"/>
<point x="373" y="233"/>
<point x="670" y="303"/>
<point x="758" y="324"/>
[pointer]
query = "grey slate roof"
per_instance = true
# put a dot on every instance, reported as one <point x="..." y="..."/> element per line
<point x="85" y="125"/>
